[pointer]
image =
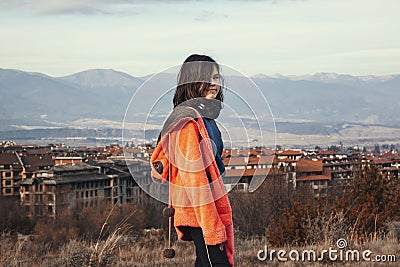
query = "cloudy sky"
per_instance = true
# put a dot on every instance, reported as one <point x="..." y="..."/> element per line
<point x="358" y="37"/>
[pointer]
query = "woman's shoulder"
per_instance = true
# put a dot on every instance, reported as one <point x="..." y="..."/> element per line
<point x="178" y="115"/>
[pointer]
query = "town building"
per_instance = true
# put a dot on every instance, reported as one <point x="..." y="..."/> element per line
<point x="66" y="188"/>
<point x="311" y="175"/>
<point x="11" y="169"/>
<point x="16" y="166"/>
<point x="52" y="180"/>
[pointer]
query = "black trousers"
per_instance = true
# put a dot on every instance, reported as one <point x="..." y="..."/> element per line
<point x="207" y="255"/>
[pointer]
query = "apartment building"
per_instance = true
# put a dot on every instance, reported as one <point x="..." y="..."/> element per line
<point x="245" y="166"/>
<point x="16" y="166"/>
<point x="11" y="169"/>
<point x="66" y="188"/>
<point x="77" y="185"/>
<point x="311" y="174"/>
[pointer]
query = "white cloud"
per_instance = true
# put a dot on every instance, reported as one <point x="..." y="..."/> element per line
<point x="72" y="7"/>
<point x="98" y="7"/>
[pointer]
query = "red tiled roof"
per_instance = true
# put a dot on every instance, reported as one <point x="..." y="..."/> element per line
<point x="286" y="160"/>
<point x="262" y="160"/>
<point x="308" y="165"/>
<point x="230" y="152"/>
<point x="235" y="161"/>
<point x="246" y="172"/>
<point x="382" y="160"/>
<point x="256" y="152"/>
<point x="290" y="153"/>
<point x="390" y="155"/>
<point x="269" y="151"/>
<point x="117" y="151"/>
<point x="247" y="152"/>
<point x="313" y="178"/>
<point x="133" y="150"/>
<point x="243" y="161"/>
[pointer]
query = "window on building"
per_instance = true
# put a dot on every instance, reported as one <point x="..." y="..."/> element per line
<point x="8" y="191"/>
<point x="91" y="193"/>
<point x="8" y="182"/>
<point x="50" y="209"/>
<point x="49" y="197"/>
<point x="27" y="208"/>
<point x="39" y="198"/>
<point x="87" y="193"/>
<point x="7" y="174"/>
<point x="26" y="188"/>
<point x="27" y="197"/>
<point x="107" y="192"/>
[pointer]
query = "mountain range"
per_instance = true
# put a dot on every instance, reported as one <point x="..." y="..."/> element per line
<point x="321" y="104"/>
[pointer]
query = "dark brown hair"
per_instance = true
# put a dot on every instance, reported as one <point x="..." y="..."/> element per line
<point x="194" y="77"/>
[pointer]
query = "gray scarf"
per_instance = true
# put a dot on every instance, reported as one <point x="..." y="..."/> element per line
<point x="208" y="108"/>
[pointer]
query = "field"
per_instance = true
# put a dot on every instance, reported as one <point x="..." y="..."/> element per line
<point x="123" y="250"/>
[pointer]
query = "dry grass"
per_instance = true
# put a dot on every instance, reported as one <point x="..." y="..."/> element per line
<point x="120" y="246"/>
<point x="121" y="249"/>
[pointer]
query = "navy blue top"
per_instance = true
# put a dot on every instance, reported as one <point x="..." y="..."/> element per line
<point x="217" y="144"/>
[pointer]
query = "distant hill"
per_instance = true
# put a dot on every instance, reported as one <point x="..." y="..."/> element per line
<point x="36" y="99"/>
<point x="103" y="79"/>
<point x="316" y="104"/>
<point x="332" y="102"/>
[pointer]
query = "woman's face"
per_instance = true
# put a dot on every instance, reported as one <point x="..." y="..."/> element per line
<point x="213" y="89"/>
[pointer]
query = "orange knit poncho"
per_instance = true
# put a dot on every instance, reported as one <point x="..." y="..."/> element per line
<point x="186" y="156"/>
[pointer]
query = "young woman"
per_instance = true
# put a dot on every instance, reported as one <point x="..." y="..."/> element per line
<point x="188" y="156"/>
